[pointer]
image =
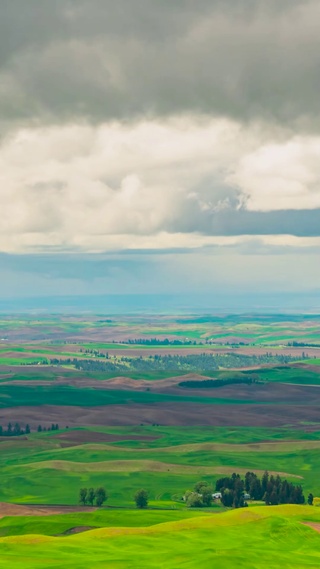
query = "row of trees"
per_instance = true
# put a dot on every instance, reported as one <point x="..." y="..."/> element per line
<point x="271" y="489"/>
<point x="99" y="496"/>
<point x="90" y="496"/>
<point x="213" y="383"/>
<point x="54" y="427"/>
<point x="158" y="342"/>
<point x="15" y="430"/>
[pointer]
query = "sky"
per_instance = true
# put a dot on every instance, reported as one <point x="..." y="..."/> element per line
<point x="159" y="147"/>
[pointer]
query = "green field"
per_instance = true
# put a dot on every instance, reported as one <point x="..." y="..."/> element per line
<point x="256" y="538"/>
<point x="166" y="466"/>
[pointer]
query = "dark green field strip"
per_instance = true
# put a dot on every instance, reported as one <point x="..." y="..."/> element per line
<point x="20" y="395"/>
<point x="287" y="374"/>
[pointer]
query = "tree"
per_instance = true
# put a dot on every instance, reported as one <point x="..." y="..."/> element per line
<point x="39" y="429"/>
<point x="194" y="500"/>
<point x="16" y="430"/>
<point x="141" y="498"/>
<point x="200" y="486"/>
<point x="264" y="482"/>
<point x="310" y="499"/>
<point x="101" y="496"/>
<point x="27" y="429"/>
<point x="83" y="496"/>
<point x="227" y="497"/>
<point x="207" y="492"/>
<point x="91" y="496"/>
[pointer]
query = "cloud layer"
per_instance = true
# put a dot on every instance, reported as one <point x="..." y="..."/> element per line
<point x="164" y="127"/>
<point x="115" y="186"/>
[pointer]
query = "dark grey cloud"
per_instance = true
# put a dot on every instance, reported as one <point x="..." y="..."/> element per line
<point x="101" y="59"/>
<point x="232" y="221"/>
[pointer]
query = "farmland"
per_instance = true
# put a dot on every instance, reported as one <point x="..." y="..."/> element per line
<point x="156" y="402"/>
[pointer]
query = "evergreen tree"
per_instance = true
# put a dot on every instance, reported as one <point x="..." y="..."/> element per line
<point x="310" y="499"/>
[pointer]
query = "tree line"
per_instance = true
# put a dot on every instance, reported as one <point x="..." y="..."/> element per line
<point x="212" y="383"/>
<point x="98" y="496"/>
<point x="15" y="430"/>
<point x="157" y="342"/>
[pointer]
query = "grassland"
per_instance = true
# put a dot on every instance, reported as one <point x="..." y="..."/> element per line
<point x="270" y="537"/>
<point x="166" y="461"/>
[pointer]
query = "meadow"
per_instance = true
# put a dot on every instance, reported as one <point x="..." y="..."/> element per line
<point x="165" y="460"/>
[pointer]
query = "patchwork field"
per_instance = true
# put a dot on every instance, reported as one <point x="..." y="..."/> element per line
<point x="159" y="403"/>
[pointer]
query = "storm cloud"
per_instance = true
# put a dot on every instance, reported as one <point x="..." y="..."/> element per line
<point x="100" y="59"/>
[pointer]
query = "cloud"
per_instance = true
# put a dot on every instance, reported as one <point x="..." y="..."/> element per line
<point x="115" y="186"/>
<point x="159" y="145"/>
<point x="102" y="60"/>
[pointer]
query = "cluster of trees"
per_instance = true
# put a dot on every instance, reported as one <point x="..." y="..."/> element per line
<point x="91" y="496"/>
<point x="95" y="353"/>
<point x="42" y="362"/>
<point x="271" y="489"/>
<point x="91" y="365"/>
<point x="212" y="383"/>
<point x="99" y="496"/>
<point x="303" y="345"/>
<point x="200" y="363"/>
<point x="234" y="491"/>
<point x="201" y="496"/>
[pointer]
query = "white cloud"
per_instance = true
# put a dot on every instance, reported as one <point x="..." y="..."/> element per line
<point x="282" y="176"/>
<point x="118" y="186"/>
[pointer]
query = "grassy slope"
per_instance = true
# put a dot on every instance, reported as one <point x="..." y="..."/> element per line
<point x="60" y="523"/>
<point x="269" y="537"/>
<point x="166" y="466"/>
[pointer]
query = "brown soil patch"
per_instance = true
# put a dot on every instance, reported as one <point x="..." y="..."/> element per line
<point x="184" y="414"/>
<point x="20" y="510"/>
<point x="78" y="529"/>
<point x="286" y="393"/>
<point x="313" y="525"/>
